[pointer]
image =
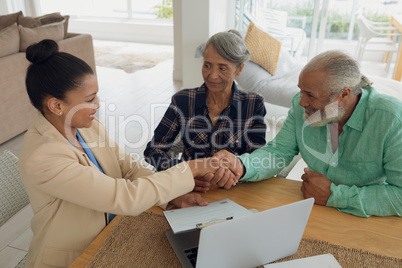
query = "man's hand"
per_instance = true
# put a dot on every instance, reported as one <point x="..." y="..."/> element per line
<point x="316" y="185"/>
<point x="223" y="177"/>
<point x="230" y="161"/>
<point x="213" y="170"/>
<point x="189" y="200"/>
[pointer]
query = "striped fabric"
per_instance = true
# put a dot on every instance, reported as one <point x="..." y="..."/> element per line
<point x="239" y="129"/>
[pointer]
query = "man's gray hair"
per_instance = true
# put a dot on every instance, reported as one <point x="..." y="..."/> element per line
<point x="229" y="45"/>
<point x="342" y="71"/>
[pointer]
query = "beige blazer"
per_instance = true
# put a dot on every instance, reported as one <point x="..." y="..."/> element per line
<point x="69" y="195"/>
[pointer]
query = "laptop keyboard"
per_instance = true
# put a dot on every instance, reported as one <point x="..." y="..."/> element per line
<point x="191" y="254"/>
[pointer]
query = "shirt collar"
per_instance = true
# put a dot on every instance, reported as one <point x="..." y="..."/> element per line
<point x="201" y="97"/>
<point x="356" y="120"/>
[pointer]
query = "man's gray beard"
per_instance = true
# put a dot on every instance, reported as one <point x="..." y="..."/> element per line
<point x="332" y="113"/>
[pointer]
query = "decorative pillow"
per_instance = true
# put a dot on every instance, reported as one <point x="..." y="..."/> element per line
<point x="33" y="22"/>
<point x="53" y="18"/>
<point x="251" y="75"/>
<point x="278" y="89"/>
<point x="264" y="48"/>
<point x="8" y="20"/>
<point x="9" y="40"/>
<point x="34" y="35"/>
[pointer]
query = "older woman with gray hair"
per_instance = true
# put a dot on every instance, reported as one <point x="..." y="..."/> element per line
<point x="214" y="116"/>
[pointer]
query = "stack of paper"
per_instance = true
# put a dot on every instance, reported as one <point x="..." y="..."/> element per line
<point x="320" y="261"/>
<point x="191" y="218"/>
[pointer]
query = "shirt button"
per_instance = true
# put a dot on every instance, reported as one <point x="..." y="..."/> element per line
<point x="192" y="141"/>
<point x="236" y="141"/>
<point x="333" y="163"/>
<point x="328" y="140"/>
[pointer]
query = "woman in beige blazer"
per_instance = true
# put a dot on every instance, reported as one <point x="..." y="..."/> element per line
<point x="73" y="173"/>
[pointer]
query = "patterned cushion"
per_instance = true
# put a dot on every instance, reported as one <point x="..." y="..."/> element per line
<point x="12" y="192"/>
<point x="264" y="48"/>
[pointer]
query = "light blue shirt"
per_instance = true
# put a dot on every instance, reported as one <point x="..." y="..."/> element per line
<point x="92" y="157"/>
<point x="366" y="168"/>
<point x="88" y="151"/>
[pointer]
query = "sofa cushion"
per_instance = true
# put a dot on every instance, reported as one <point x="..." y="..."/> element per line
<point x="277" y="89"/>
<point x="9" y="40"/>
<point x="264" y="48"/>
<point x="30" y="36"/>
<point x="9" y="19"/>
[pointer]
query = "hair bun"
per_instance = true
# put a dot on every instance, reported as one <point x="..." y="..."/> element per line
<point x="365" y="82"/>
<point x="41" y="51"/>
<point x="236" y="32"/>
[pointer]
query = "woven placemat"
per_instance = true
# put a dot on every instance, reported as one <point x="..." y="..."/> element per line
<point x="141" y="242"/>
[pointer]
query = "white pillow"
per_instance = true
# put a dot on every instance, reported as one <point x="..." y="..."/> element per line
<point x="251" y="76"/>
<point x="387" y="86"/>
<point x="286" y="63"/>
<point x="278" y="89"/>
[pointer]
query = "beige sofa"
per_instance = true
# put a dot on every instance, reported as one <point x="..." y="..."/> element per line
<point x="16" y="111"/>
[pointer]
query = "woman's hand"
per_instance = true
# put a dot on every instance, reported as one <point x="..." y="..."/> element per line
<point x="203" y="184"/>
<point x="189" y="200"/>
<point x="203" y="168"/>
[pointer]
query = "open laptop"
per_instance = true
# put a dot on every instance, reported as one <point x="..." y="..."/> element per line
<point x="249" y="241"/>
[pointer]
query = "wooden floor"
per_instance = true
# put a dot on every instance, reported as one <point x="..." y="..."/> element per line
<point x="131" y="106"/>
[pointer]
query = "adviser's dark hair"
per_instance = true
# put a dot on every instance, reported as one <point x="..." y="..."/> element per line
<point x="52" y="73"/>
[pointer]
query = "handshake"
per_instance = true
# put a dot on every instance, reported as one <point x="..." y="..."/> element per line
<point x="223" y="169"/>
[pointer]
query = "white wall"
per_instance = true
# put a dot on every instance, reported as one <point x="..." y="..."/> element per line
<point x="3" y="8"/>
<point x="178" y="44"/>
<point x="12" y="6"/>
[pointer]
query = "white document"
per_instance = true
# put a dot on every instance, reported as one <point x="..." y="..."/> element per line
<point x="319" y="261"/>
<point x="191" y="218"/>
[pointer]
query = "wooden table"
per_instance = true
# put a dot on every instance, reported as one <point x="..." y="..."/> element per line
<point x="381" y="235"/>
<point x="396" y="21"/>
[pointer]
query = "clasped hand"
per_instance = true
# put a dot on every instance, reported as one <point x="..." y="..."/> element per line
<point x="316" y="185"/>
<point x="226" y="172"/>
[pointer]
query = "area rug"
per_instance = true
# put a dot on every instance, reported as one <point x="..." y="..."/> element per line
<point x="141" y="242"/>
<point x="130" y="57"/>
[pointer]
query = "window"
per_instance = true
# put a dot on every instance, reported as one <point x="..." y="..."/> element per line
<point x="326" y="23"/>
<point x="116" y="9"/>
<point x="340" y="23"/>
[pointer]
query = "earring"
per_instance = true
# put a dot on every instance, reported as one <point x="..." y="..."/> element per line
<point x="60" y="113"/>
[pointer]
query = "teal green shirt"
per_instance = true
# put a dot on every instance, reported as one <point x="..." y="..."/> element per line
<point x="366" y="168"/>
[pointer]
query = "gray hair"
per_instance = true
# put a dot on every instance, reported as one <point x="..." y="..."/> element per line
<point x="342" y="71"/>
<point x="229" y="45"/>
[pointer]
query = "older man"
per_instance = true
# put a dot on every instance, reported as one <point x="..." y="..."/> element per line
<point x="349" y="135"/>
